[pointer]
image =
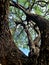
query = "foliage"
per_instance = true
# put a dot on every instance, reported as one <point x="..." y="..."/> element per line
<point x="17" y="31"/>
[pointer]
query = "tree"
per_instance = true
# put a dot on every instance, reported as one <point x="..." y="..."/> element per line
<point x="9" y="53"/>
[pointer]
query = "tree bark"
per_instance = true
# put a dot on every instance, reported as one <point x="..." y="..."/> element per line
<point x="9" y="53"/>
<point x="43" y="25"/>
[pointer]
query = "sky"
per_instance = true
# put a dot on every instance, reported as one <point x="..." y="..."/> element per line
<point x="25" y="51"/>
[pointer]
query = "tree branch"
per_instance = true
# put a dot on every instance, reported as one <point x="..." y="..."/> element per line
<point x="40" y="21"/>
<point x="30" y="42"/>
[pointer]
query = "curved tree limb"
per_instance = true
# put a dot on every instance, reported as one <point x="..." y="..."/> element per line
<point x="30" y="42"/>
<point x="43" y="25"/>
<point x="40" y="21"/>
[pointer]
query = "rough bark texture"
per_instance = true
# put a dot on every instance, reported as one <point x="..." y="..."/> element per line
<point x="9" y="53"/>
<point x="43" y="25"/>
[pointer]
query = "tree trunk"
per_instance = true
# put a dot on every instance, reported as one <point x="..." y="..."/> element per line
<point x="9" y="53"/>
<point x="43" y="25"/>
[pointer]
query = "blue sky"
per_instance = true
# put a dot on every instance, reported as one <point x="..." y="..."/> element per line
<point x="24" y="50"/>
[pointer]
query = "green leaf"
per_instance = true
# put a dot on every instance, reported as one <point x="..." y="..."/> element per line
<point x="27" y="4"/>
<point x="21" y="1"/>
<point x="37" y="10"/>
